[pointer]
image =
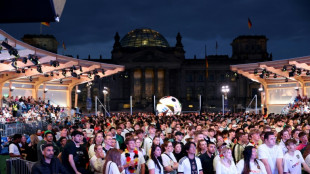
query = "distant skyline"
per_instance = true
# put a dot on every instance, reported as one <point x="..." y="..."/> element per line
<point x="88" y="27"/>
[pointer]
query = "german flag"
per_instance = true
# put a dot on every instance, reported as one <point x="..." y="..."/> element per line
<point x="63" y="45"/>
<point x="45" y="23"/>
<point x="249" y="23"/>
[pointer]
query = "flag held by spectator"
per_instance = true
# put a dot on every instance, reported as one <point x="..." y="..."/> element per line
<point x="45" y="23"/>
<point x="63" y="45"/>
<point x="249" y="23"/>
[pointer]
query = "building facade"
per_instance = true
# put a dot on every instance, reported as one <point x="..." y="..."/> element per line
<point x="153" y="67"/>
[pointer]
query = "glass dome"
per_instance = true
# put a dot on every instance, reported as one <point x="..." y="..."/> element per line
<point x="144" y="38"/>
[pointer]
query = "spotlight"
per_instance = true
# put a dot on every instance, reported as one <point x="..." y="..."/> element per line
<point x="78" y="91"/>
<point x="81" y="69"/>
<point x="39" y="69"/>
<point x="78" y="77"/>
<point x="24" y="60"/>
<point x="255" y="71"/>
<point x="14" y="64"/>
<point x="73" y="74"/>
<point x="293" y="68"/>
<point x="284" y="68"/>
<point x="71" y="70"/>
<point x="46" y="75"/>
<point x="33" y="59"/>
<point x="260" y="89"/>
<point x="103" y="72"/>
<point x="11" y="50"/>
<point x="52" y="74"/>
<point x="57" y="19"/>
<point x="45" y="90"/>
<point x="30" y="78"/>
<point x="126" y="75"/>
<point x="291" y="74"/>
<point x="275" y="76"/>
<point x="95" y="72"/>
<point x="286" y="79"/>
<point x="235" y="74"/>
<point x="60" y="81"/>
<point x="54" y="63"/>
<point x="89" y="75"/>
<point x="18" y="71"/>
<point x="23" y="70"/>
<point x="267" y="75"/>
<point x="97" y="77"/>
<point x="64" y="72"/>
<point x="298" y="72"/>
<point x="12" y="88"/>
<point x="73" y="67"/>
<point x="308" y="73"/>
<point x="261" y="75"/>
<point x="264" y="71"/>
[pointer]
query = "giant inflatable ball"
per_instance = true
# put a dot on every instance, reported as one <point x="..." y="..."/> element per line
<point x="169" y="105"/>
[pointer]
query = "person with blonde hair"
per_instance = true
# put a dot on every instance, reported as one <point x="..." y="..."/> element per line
<point x="112" y="164"/>
<point x="96" y="162"/>
<point x="31" y="149"/>
<point x="226" y="164"/>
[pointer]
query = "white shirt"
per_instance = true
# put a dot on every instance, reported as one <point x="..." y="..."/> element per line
<point x="147" y="144"/>
<point x="96" y="164"/>
<point x="132" y="154"/>
<point x="112" y="168"/>
<point x="185" y="165"/>
<point x="292" y="164"/>
<point x="283" y="147"/>
<point x="307" y="160"/>
<point x="168" y="160"/>
<point x="215" y="161"/>
<point x="253" y="167"/>
<point x="13" y="149"/>
<point x="271" y="154"/>
<point x="222" y="169"/>
<point x="151" y="165"/>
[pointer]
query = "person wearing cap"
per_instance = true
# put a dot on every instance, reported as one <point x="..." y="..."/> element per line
<point x="14" y="149"/>
<point x="70" y="157"/>
<point x="48" y="164"/>
<point x="48" y="139"/>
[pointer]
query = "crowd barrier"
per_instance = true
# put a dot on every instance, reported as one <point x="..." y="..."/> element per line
<point x="18" y="166"/>
<point x="9" y="129"/>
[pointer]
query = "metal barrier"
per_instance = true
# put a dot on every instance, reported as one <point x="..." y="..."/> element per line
<point x="9" y="129"/>
<point x="18" y="166"/>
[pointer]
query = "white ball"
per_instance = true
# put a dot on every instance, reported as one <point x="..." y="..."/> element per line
<point x="169" y="105"/>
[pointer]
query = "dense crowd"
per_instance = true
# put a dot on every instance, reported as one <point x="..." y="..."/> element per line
<point x="189" y="143"/>
<point x="24" y="109"/>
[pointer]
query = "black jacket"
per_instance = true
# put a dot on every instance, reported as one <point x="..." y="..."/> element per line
<point x="41" y="167"/>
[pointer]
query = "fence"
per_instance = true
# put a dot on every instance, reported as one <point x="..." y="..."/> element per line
<point x="18" y="166"/>
<point x="9" y="129"/>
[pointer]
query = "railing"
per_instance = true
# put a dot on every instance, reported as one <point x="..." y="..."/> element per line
<point x="18" y="166"/>
<point x="9" y="129"/>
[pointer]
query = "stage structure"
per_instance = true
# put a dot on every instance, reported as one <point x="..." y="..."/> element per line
<point x="28" y="71"/>
<point x="281" y="80"/>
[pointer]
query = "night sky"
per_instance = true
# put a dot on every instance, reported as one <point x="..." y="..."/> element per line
<point x="88" y="27"/>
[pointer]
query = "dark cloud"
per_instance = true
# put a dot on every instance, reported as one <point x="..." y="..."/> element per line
<point x="88" y="27"/>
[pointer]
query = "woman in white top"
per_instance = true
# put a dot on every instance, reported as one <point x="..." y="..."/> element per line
<point x="96" y="162"/>
<point x="169" y="162"/>
<point x="154" y="164"/>
<point x="97" y="140"/>
<point x="226" y="164"/>
<point x="113" y="163"/>
<point x="138" y="146"/>
<point x="250" y="164"/>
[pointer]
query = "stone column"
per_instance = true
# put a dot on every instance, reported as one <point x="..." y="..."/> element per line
<point x="156" y="82"/>
<point x="76" y="96"/>
<point x="167" y="92"/>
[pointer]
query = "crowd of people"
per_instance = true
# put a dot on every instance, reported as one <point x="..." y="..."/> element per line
<point x="190" y="143"/>
<point x="24" y="109"/>
<point x="300" y="104"/>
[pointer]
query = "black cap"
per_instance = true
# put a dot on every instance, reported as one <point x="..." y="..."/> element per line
<point x="178" y="133"/>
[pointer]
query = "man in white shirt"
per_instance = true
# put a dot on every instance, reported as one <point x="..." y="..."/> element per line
<point x="190" y="133"/>
<point x="190" y="163"/>
<point x="131" y="146"/>
<point x="148" y="141"/>
<point x="89" y="131"/>
<point x="271" y="154"/>
<point x="14" y="149"/>
<point x="293" y="159"/>
<point x="284" y="137"/>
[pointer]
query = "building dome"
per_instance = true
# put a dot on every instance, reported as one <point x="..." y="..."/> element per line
<point x="144" y="37"/>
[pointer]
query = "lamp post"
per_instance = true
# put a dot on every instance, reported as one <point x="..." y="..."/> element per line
<point x="105" y="93"/>
<point x="225" y="90"/>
